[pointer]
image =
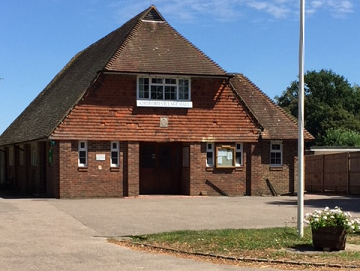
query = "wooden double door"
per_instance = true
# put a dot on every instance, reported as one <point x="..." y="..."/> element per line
<point x="160" y="168"/>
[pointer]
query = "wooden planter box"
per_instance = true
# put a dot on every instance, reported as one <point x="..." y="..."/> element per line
<point x="329" y="238"/>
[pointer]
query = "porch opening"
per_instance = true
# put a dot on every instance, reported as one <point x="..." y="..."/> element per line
<point x="160" y="168"/>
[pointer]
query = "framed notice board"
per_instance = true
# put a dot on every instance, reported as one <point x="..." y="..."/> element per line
<point x="225" y="157"/>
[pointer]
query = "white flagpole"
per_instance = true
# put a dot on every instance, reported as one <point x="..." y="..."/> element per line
<point x="300" y="213"/>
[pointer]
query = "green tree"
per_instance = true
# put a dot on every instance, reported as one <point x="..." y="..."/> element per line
<point x="341" y="137"/>
<point x="330" y="103"/>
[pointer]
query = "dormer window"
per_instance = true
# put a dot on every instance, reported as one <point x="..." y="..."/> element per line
<point x="164" y="92"/>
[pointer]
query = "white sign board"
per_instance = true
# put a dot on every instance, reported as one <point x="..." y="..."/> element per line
<point x="100" y="157"/>
<point x="156" y="103"/>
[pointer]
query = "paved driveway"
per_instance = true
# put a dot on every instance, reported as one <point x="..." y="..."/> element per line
<point x="52" y="234"/>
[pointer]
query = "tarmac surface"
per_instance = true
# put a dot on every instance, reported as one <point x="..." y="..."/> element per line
<point x="70" y="234"/>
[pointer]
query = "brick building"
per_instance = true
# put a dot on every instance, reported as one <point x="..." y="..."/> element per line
<point x="143" y="111"/>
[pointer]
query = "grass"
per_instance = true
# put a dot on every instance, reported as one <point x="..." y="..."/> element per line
<point x="270" y="243"/>
<point x="228" y="239"/>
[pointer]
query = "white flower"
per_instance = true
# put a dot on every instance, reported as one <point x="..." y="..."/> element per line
<point x="332" y="217"/>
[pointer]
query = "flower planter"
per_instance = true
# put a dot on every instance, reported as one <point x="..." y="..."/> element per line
<point x="329" y="238"/>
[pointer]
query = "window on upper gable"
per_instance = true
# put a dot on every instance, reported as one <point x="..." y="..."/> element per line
<point x="164" y="92"/>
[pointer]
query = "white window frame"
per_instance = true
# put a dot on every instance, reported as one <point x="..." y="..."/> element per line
<point x="276" y="151"/>
<point x="239" y="152"/>
<point x="83" y="147"/>
<point x="210" y="150"/>
<point x="162" y="82"/>
<point x="114" y="151"/>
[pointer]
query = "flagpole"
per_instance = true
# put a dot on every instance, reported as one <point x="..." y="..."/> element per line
<point x="300" y="211"/>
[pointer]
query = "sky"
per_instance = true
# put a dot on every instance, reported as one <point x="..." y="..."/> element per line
<point x="258" y="38"/>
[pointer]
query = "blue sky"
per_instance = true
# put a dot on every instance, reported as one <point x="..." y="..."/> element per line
<point x="259" y="38"/>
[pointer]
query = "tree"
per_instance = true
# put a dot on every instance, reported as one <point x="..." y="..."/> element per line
<point x="330" y="103"/>
<point x="341" y="137"/>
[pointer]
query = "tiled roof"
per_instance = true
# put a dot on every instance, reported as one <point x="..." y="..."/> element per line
<point x="277" y="124"/>
<point x="146" y="43"/>
<point x="154" y="47"/>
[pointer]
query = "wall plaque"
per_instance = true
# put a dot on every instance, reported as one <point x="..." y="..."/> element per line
<point x="164" y="122"/>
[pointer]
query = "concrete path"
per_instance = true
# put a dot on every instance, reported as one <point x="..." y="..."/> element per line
<point x="51" y="234"/>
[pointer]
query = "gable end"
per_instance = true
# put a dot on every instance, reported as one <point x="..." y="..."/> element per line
<point x="153" y="15"/>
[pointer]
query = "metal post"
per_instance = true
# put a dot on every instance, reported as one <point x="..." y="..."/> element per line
<point x="300" y="213"/>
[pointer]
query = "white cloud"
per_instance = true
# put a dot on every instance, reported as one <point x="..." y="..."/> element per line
<point x="339" y="8"/>
<point x="231" y="10"/>
<point x="281" y="9"/>
<point x="278" y="9"/>
<point x="313" y="6"/>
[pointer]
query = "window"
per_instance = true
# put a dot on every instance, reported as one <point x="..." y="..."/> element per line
<point x="164" y="92"/>
<point x="114" y="159"/>
<point x="184" y="89"/>
<point x="210" y="154"/>
<point x="239" y="153"/>
<point x="276" y="154"/>
<point x="82" y="160"/>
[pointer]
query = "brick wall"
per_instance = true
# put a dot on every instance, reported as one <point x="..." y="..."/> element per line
<point x="251" y="178"/>
<point x="133" y="164"/>
<point x="253" y="168"/>
<point x="96" y="180"/>
<point x="213" y="181"/>
<point x="282" y="179"/>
